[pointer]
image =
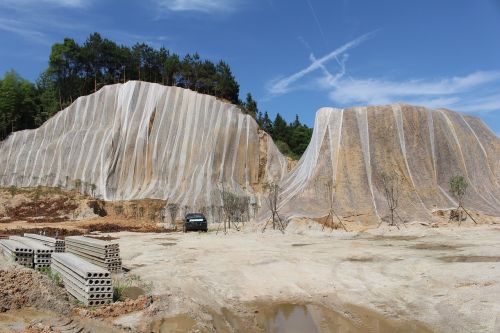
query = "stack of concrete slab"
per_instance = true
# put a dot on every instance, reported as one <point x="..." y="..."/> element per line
<point x="17" y="252"/>
<point x="55" y="244"/>
<point x="88" y="283"/>
<point x="41" y="253"/>
<point x="99" y="252"/>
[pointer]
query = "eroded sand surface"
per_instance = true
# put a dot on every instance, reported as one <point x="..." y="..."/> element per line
<point x="437" y="279"/>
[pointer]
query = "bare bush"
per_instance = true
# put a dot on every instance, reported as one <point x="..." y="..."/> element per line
<point x="13" y="190"/>
<point x="273" y="199"/>
<point x="235" y="208"/>
<point x="255" y="207"/>
<point x="93" y="187"/>
<point x="173" y="210"/>
<point x="326" y="189"/>
<point x="391" y="187"/>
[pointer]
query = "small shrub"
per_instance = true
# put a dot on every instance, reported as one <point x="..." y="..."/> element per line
<point x="53" y="276"/>
<point x="118" y="292"/>
<point x="13" y="190"/>
<point x="118" y="210"/>
<point x="121" y="284"/>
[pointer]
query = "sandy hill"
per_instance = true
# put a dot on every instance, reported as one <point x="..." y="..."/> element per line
<point x="425" y="148"/>
<point x="142" y="140"/>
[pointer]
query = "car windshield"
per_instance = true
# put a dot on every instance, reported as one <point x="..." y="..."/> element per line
<point x="195" y="216"/>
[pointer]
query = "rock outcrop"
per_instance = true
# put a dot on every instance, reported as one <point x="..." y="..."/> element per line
<point x="142" y="140"/>
<point x="353" y="147"/>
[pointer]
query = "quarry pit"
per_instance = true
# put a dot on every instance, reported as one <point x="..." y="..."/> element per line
<point x="416" y="279"/>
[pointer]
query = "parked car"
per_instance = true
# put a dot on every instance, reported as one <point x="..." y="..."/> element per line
<point x="195" y="222"/>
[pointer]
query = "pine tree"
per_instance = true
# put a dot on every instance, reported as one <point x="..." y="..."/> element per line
<point x="267" y="125"/>
<point x="280" y="128"/>
<point x="251" y="106"/>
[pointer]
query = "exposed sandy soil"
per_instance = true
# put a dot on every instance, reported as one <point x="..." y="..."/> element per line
<point x="45" y="204"/>
<point x="23" y="287"/>
<point x="417" y="278"/>
<point x="68" y="228"/>
<point x="55" y="211"/>
<point x="424" y="277"/>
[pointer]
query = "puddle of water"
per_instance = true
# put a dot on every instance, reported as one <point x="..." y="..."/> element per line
<point x="91" y="325"/>
<point x="298" y="318"/>
<point x="470" y="259"/>
<point x="291" y="318"/>
<point x="18" y="320"/>
<point x="133" y="292"/>
<point x="177" y="324"/>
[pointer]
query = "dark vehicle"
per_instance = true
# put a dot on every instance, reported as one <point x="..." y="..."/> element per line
<point x="195" y="222"/>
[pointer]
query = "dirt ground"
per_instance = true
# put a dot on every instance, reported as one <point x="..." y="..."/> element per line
<point x="58" y="212"/>
<point x="414" y="279"/>
<point x="419" y="278"/>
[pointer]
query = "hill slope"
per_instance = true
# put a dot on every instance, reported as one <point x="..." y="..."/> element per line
<point x="353" y="147"/>
<point x="138" y="140"/>
<point x="143" y="140"/>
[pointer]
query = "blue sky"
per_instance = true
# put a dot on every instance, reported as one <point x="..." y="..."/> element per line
<point x="293" y="56"/>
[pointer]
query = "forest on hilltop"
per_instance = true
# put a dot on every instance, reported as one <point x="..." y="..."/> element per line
<point x="76" y="70"/>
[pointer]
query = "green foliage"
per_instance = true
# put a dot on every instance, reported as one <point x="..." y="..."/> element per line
<point x="285" y="149"/>
<point x="76" y="70"/>
<point x="122" y="283"/>
<point x="18" y="104"/>
<point x="291" y="139"/>
<point x="265" y="122"/>
<point x="118" y="292"/>
<point x="458" y="187"/>
<point x="53" y="276"/>
<point x="251" y="106"/>
<point x="80" y="69"/>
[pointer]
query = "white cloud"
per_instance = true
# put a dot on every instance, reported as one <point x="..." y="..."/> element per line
<point x="380" y="91"/>
<point x="284" y="85"/>
<point x="204" y="6"/>
<point x="481" y="104"/>
<point x="438" y="102"/>
<point x="22" y="29"/>
<point x="476" y="92"/>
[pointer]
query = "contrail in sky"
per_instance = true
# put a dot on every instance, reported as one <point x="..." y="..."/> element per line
<point x="317" y="20"/>
<point x="282" y="86"/>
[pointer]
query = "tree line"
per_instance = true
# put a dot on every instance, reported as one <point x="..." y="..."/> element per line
<point x="76" y="70"/>
<point x="291" y="139"/>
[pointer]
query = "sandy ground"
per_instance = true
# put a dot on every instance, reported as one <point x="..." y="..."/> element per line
<point x="417" y="279"/>
<point x="446" y="278"/>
